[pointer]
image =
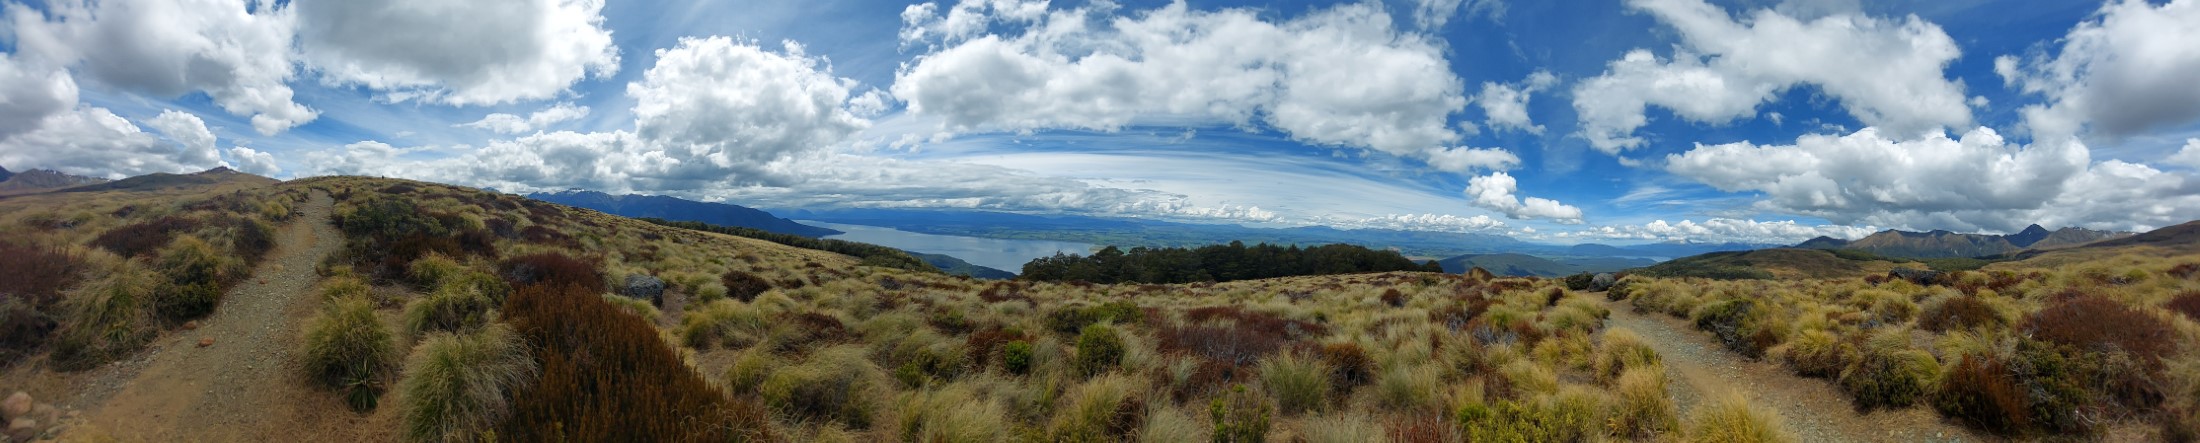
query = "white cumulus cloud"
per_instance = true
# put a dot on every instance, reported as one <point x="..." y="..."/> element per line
<point x="1721" y="230"/>
<point x="29" y="93"/>
<point x="93" y="141"/>
<point x="1344" y="76"/>
<point x="1464" y="159"/>
<point x="503" y="123"/>
<point x="236" y="51"/>
<point x="252" y="161"/>
<point x="1495" y="192"/>
<point x="1506" y="105"/>
<point x="457" y="52"/>
<point x="1887" y="73"/>
<point x="2126" y="69"/>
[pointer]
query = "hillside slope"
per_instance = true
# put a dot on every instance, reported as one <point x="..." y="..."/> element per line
<point x="677" y="209"/>
<point x="1780" y="263"/>
<point x="1523" y="265"/>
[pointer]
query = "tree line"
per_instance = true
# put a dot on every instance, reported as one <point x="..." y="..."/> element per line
<point x="1217" y="263"/>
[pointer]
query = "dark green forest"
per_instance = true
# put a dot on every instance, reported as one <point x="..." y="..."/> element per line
<point x="1217" y="263"/>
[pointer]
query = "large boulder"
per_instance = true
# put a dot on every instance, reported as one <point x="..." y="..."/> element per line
<point x="1602" y="282"/>
<point x="16" y="405"/>
<point x="643" y="287"/>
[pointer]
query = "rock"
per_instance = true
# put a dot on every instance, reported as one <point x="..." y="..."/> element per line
<point x="46" y="413"/>
<point x="207" y="341"/>
<point x="1602" y="282"/>
<point x="16" y="405"/>
<point x="20" y="425"/>
<point x="643" y="287"/>
<point x="1921" y="277"/>
<point x="191" y="325"/>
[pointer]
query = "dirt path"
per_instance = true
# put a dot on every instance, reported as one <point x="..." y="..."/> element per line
<point x="248" y="385"/>
<point x="1816" y="410"/>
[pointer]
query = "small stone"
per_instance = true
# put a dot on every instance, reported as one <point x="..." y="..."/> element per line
<point x="16" y="405"/>
<point x="191" y="325"/>
<point x="22" y="424"/>
<point x="263" y="281"/>
<point x="207" y="341"/>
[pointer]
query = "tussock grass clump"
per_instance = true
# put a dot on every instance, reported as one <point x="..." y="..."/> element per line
<point x="1568" y="416"/>
<point x="955" y="413"/>
<point x="107" y="319"/>
<point x="1641" y="409"/>
<point x="743" y="286"/>
<point x="347" y="348"/>
<point x="1621" y="351"/>
<point x="453" y="308"/>
<point x="607" y="376"/>
<point x="456" y="387"/>
<point x="139" y="239"/>
<point x="197" y="274"/>
<point x="723" y="323"/>
<point x="1342" y="428"/>
<point x="554" y="270"/>
<point x="1816" y="353"/>
<point x="1106" y="408"/>
<point x="1099" y="349"/>
<point x="1349" y="366"/>
<point x="1732" y="419"/>
<point x="1073" y="319"/>
<point x="838" y="384"/>
<point x="432" y="270"/>
<point x="1300" y="384"/>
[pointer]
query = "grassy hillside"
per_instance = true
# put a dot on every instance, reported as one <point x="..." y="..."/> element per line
<point x="1784" y="263"/>
<point x="451" y="313"/>
<point x="1523" y="265"/>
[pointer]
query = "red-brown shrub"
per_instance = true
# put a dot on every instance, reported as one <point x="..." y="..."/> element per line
<point x="539" y="234"/>
<point x="1422" y="428"/>
<point x="553" y="269"/>
<point x="984" y="343"/>
<point x="30" y="292"/>
<point x="2098" y="324"/>
<point x="811" y="328"/>
<point x="743" y="286"/>
<point x="1961" y="312"/>
<point x="1394" y="298"/>
<point x="1349" y="366"/>
<point x="143" y="238"/>
<point x="1983" y="392"/>
<point x="606" y="376"/>
<point x="2187" y="303"/>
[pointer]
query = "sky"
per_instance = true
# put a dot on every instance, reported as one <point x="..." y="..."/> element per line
<point x="1613" y="121"/>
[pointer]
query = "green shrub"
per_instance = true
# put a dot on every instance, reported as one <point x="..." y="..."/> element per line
<point x="457" y="387"/>
<point x="1407" y="387"/>
<point x="453" y="308"/>
<point x="838" y="384"/>
<point x="1099" y="350"/>
<point x="196" y="275"/>
<point x="1299" y="384"/>
<point x="347" y="348"/>
<point x="1732" y="419"/>
<point x="1958" y="313"/>
<point x="1349" y="366"/>
<point x="1890" y="373"/>
<point x="1239" y="416"/>
<point x="1016" y="357"/>
<point x="1072" y="319"/>
<point x="1570" y="416"/>
<point x="1817" y="353"/>
<point x="431" y="271"/>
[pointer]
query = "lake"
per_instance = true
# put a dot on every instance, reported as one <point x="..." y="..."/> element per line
<point x="1006" y="255"/>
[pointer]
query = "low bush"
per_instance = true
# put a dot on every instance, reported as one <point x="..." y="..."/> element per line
<point x="2096" y="324"/>
<point x="430" y="272"/>
<point x="1099" y="350"/>
<point x="1407" y="387"/>
<point x="838" y="384"/>
<point x="1738" y="323"/>
<point x="348" y="349"/>
<point x="554" y="270"/>
<point x="1073" y="319"/>
<point x="1890" y="373"/>
<point x="743" y="286"/>
<point x="457" y="387"/>
<point x="1983" y="392"/>
<point x="1571" y="416"/>
<point x="1299" y="384"/>
<point x="30" y="295"/>
<point x="1349" y="366"/>
<point x="138" y="239"/>
<point x="1959" y="313"/>
<point x="606" y="376"/>
<point x="1016" y="357"/>
<point x="2187" y="303"/>
<point x="1816" y="353"/>
<point x="197" y="274"/>
<point x="1732" y="419"/>
<point x="1393" y="298"/>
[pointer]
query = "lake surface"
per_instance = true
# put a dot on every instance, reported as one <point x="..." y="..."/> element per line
<point x="1006" y="255"/>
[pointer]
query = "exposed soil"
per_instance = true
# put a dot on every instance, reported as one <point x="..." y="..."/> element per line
<point x="248" y="385"/>
<point x="1815" y="409"/>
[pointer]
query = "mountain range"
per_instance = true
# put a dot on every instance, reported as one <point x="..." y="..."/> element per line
<point x="1523" y="265"/>
<point x="37" y="180"/>
<point x="678" y="209"/>
<point x="1945" y="244"/>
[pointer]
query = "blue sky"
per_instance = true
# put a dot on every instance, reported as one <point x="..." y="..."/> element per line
<point x="1573" y="121"/>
